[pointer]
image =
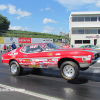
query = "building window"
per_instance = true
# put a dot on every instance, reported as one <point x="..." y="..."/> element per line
<point x="78" y="41"/>
<point x="74" y="19"/>
<point x="98" y="31"/>
<point x="86" y="41"/>
<point x="87" y="18"/>
<point x="80" y="31"/>
<point x="99" y="18"/>
<point x="74" y="31"/>
<point x="93" y="18"/>
<point x="93" y="31"/>
<point x="87" y="31"/>
<point x="80" y="19"/>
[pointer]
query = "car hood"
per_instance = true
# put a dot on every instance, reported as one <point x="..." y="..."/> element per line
<point x="79" y="49"/>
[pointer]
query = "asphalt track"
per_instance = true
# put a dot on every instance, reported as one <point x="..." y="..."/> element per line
<point x="48" y="84"/>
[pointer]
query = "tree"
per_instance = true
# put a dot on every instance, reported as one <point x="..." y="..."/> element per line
<point x="4" y="23"/>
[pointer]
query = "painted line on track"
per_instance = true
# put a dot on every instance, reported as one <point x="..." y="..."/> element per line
<point x="31" y="93"/>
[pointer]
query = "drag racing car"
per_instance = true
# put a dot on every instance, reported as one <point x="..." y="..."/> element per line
<point x="49" y="55"/>
<point x="91" y="46"/>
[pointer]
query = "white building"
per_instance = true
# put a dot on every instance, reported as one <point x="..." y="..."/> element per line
<point x="84" y="28"/>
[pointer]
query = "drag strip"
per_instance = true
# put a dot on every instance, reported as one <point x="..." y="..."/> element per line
<point x="50" y="85"/>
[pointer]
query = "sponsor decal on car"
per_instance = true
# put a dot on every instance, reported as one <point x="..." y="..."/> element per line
<point x="86" y="58"/>
<point x="41" y="63"/>
<point x="27" y="60"/>
<point x="33" y="63"/>
<point x="13" y="53"/>
<point x="57" y="54"/>
<point x="35" y="66"/>
<point x="49" y="54"/>
<point x="38" y="59"/>
<point x="54" y="59"/>
<point x="50" y="62"/>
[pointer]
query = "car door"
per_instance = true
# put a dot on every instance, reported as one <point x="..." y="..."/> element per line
<point x="35" y="56"/>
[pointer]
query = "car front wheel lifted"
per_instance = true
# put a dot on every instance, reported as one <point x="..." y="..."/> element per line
<point x="69" y="70"/>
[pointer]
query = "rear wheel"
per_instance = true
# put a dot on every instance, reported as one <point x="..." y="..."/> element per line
<point x="15" y="68"/>
<point x="69" y="70"/>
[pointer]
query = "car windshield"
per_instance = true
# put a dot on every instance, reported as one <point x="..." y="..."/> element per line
<point x="49" y="46"/>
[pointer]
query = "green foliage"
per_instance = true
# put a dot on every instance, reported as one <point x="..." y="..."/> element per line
<point x="28" y="34"/>
<point x="4" y="23"/>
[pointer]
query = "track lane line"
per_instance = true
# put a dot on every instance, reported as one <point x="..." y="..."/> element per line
<point x="30" y="93"/>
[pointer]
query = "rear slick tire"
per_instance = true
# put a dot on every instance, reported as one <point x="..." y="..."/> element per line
<point x="15" y="68"/>
<point x="69" y="70"/>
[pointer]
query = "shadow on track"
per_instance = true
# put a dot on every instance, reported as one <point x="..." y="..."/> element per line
<point x="83" y="77"/>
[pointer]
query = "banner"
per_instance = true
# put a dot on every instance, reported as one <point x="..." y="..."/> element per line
<point x="24" y="40"/>
<point x="64" y="40"/>
<point x="92" y="36"/>
<point x="1" y="39"/>
<point x="36" y="40"/>
<point x="10" y="40"/>
<point x="47" y="40"/>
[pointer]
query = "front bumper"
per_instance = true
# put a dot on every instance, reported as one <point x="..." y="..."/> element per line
<point x="83" y="65"/>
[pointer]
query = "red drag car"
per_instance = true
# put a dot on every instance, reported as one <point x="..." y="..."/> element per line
<point x="49" y="55"/>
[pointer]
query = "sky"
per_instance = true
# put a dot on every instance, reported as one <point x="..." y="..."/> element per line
<point x="44" y="16"/>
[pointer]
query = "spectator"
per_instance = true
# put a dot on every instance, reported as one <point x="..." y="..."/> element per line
<point x="9" y="49"/>
<point x="4" y="47"/>
<point x="21" y="45"/>
<point x="13" y="46"/>
<point x="72" y="45"/>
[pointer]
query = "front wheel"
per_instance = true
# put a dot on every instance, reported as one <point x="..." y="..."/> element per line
<point x="69" y="70"/>
<point x="15" y="68"/>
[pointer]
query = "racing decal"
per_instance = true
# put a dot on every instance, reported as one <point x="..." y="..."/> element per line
<point x="86" y="58"/>
<point x="13" y="54"/>
<point x="33" y="46"/>
<point x="38" y="59"/>
<point x="43" y="62"/>
<point x="35" y="66"/>
<point x="16" y="53"/>
<point x="57" y="54"/>
<point x="49" y="54"/>
<point x="33" y="63"/>
<point x="27" y="60"/>
<point x="79" y="56"/>
<point x="54" y="59"/>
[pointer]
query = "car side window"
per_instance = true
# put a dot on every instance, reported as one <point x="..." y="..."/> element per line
<point x="33" y="49"/>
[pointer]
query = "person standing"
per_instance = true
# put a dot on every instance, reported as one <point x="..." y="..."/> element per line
<point x="72" y="45"/>
<point x="13" y="46"/>
<point x="4" y="47"/>
<point x="9" y="49"/>
<point x="21" y="45"/>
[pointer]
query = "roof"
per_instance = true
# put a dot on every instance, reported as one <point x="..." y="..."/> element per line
<point x="86" y="13"/>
